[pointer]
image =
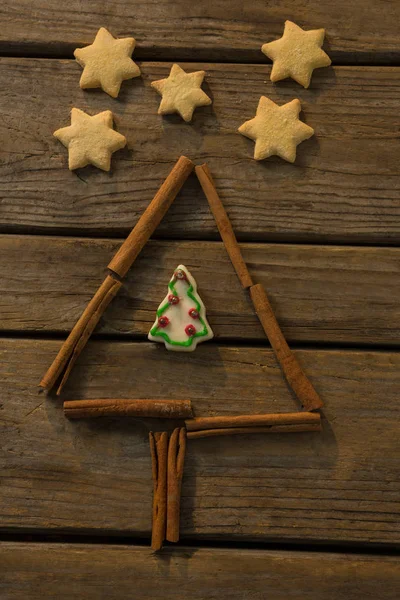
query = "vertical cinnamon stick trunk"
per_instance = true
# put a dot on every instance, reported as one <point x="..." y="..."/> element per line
<point x="176" y="459"/>
<point x="159" y="457"/>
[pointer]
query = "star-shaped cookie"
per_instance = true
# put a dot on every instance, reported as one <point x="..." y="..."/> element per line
<point x="276" y="129"/>
<point x="107" y="62"/>
<point x="90" y="140"/>
<point x="296" y="54"/>
<point x="181" y="93"/>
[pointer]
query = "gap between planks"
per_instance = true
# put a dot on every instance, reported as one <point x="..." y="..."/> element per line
<point x="209" y="237"/>
<point x="339" y="59"/>
<point x="221" y="343"/>
<point x="38" y="536"/>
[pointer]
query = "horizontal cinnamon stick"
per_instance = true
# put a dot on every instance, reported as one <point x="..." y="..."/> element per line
<point x="176" y="459"/>
<point x="159" y="409"/>
<point x="159" y="458"/>
<point x="151" y="217"/>
<point x="119" y="265"/>
<point x="224" y="225"/>
<point x="291" y="368"/>
<point x="80" y="333"/>
<point x="272" y="419"/>
<point x="297" y="428"/>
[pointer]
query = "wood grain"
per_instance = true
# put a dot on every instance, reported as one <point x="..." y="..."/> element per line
<point x="37" y="571"/>
<point x="319" y="293"/>
<point x="344" y="186"/>
<point x="340" y="485"/>
<point x="221" y="30"/>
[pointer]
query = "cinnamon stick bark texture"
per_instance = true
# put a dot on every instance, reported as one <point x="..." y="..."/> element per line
<point x="159" y="459"/>
<point x="291" y="368"/>
<point x="298" y="428"/>
<point x="224" y="225"/>
<point x="159" y="409"/>
<point x="272" y="419"/>
<point x="289" y="364"/>
<point x="176" y="459"/>
<point x="80" y="333"/>
<point x="119" y="265"/>
<point x="151" y="217"/>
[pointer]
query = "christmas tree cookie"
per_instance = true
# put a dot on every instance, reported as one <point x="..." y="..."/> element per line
<point x="181" y="317"/>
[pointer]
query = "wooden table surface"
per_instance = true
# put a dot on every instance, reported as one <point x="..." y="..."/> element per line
<point x="287" y="516"/>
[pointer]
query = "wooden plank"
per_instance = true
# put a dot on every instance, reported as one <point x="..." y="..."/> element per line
<point x="320" y="293"/>
<point x="344" y="186"/>
<point x="177" y="29"/>
<point x="63" y="571"/>
<point x="340" y="485"/>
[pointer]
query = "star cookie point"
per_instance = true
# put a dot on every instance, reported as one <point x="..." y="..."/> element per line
<point x="107" y="62"/>
<point x="90" y="139"/>
<point x="296" y="54"/>
<point x="181" y="93"/>
<point x="276" y="130"/>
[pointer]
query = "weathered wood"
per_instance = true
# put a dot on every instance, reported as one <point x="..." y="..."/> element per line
<point x="170" y="29"/>
<point x="66" y="571"/>
<point x="340" y="484"/>
<point x="343" y="187"/>
<point x="319" y="293"/>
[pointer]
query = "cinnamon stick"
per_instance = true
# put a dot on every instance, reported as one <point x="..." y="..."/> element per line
<point x="291" y="368"/>
<point x="224" y="225"/>
<point x="87" y="332"/>
<point x="80" y="333"/>
<point x="119" y="265"/>
<point x="297" y="428"/>
<point x="273" y="419"/>
<point x="159" y="456"/>
<point x="176" y="459"/>
<point x="159" y="409"/>
<point x="289" y="364"/>
<point x="151" y="217"/>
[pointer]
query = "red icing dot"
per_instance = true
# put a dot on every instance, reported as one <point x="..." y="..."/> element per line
<point x="194" y="313"/>
<point x="179" y="274"/>
<point x="173" y="299"/>
<point x="190" y="330"/>
<point x="163" y="321"/>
